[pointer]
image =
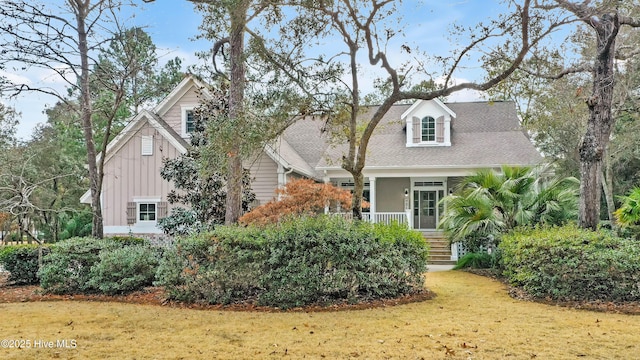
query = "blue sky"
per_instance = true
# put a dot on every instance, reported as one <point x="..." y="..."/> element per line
<point x="173" y="24"/>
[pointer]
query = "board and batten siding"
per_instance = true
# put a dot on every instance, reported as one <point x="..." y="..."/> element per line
<point x="173" y="116"/>
<point x="264" y="178"/>
<point x="129" y="174"/>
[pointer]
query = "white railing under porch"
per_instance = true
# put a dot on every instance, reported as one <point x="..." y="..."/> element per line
<point x="382" y="217"/>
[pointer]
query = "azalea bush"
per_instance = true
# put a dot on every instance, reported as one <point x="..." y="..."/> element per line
<point x="89" y="265"/>
<point x="329" y="259"/>
<point x="125" y="269"/>
<point x="222" y="267"/>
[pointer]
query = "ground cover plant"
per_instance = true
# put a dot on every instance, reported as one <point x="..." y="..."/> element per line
<point x="569" y="263"/>
<point x="472" y="317"/>
<point x="297" y="262"/>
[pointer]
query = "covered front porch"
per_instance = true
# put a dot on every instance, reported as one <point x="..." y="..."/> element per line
<point x="411" y="200"/>
<point x="414" y="201"/>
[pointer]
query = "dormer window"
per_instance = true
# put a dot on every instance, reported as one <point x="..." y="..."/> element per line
<point x="428" y="128"/>
<point x="428" y="124"/>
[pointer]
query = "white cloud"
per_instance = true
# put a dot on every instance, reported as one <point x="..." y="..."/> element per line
<point x="15" y="78"/>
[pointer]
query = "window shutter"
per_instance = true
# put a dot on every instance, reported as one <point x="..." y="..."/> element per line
<point x="131" y="213"/>
<point x="440" y="129"/>
<point x="162" y="209"/>
<point x="417" y="133"/>
<point x="147" y="145"/>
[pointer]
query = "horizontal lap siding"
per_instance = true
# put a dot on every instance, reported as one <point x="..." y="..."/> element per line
<point x="128" y="174"/>
<point x="264" y="178"/>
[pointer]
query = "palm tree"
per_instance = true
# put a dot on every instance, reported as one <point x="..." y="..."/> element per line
<point x="489" y="203"/>
<point x="628" y="215"/>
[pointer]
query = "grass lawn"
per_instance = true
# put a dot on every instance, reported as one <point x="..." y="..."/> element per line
<point x="471" y="318"/>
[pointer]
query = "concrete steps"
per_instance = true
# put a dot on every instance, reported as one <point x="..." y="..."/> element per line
<point x="439" y="248"/>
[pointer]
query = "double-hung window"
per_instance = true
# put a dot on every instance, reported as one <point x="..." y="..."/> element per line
<point x="188" y="121"/>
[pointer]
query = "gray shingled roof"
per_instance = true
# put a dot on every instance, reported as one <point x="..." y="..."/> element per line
<point x="291" y="156"/>
<point x="483" y="134"/>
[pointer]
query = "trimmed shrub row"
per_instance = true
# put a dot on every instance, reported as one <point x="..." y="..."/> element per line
<point x="88" y="265"/>
<point x="568" y="263"/>
<point x="296" y="263"/>
<point x="21" y="261"/>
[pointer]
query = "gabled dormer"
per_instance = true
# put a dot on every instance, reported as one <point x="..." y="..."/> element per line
<point x="428" y="123"/>
<point x="176" y="109"/>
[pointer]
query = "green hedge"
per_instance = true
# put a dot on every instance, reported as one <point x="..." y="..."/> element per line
<point x="218" y="268"/>
<point x="124" y="270"/>
<point x="89" y="265"/>
<point x="568" y="263"/>
<point x="21" y="261"/>
<point x="298" y="262"/>
<point x="328" y="259"/>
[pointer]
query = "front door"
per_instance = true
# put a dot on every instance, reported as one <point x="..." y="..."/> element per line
<point x="425" y="212"/>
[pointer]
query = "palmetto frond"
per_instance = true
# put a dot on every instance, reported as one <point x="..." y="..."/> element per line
<point x="488" y="203"/>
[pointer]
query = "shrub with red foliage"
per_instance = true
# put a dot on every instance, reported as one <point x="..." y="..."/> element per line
<point x="299" y="197"/>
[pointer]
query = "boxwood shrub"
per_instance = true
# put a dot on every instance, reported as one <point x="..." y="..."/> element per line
<point x="295" y="263"/>
<point x="21" y="261"/>
<point x="568" y="263"/>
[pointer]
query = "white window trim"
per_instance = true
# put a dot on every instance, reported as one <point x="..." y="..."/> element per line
<point x="434" y="130"/>
<point x="146" y="200"/>
<point x="155" y="210"/>
<point x="183" y="111"/>
<point x="447" y="133"/>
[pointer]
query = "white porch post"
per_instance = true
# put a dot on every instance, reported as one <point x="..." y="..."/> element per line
<point x="372" y="200"/>
<point x="326" y="205"/>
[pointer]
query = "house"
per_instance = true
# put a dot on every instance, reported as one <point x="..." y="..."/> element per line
<point x="416" y="156"/>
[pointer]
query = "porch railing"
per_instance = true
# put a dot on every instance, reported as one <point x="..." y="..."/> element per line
<point x="389" y="217"/>
<point x="381" y="217"/>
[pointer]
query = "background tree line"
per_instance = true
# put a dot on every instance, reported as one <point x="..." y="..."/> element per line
<point x="263" y="53"/>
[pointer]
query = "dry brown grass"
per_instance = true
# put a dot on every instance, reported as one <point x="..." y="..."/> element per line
<point x="471" y="318"/>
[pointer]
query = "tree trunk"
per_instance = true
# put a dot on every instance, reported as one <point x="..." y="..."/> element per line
<point x="600" y="122"/>
<point x="238" y="14"/>
<point x="95" y="183"/>
<point x="607" y="188"/>
<point x="356" y="201"/>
